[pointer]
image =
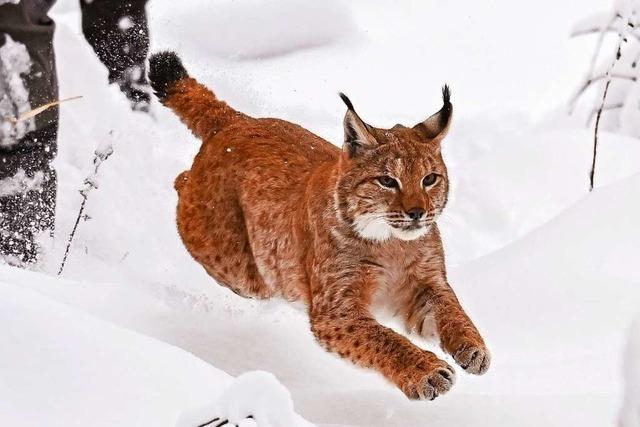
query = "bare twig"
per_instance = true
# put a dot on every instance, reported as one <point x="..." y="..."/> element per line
<point x="101" y="154"/>
<point x="73" y="233"/>
<point x="32" y="113"/>
<point x="596" y="53"/>
<point x="602" y="31"/>
<point x="601" y="109"/>
<point x="606" y="108"/>
<point x="597" y="78"/>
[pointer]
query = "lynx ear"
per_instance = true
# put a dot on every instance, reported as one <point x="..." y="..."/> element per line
<point x="435" y="128"/>
<point x="357" y="134"/>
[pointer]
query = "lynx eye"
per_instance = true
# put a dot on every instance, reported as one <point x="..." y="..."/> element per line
<point x="388" y="182"/>
<point x="429" y="180"/>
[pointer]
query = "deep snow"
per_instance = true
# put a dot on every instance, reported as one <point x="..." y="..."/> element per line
<point x="546" y="269"/>
<point x="630" y="413"/>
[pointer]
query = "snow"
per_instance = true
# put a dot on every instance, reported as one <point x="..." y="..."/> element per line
<point x="78" y="370"/>
<point x="630" y="413"/>
<point x="20" y="183"/>
<point x="255" y="396"/>
<point x="249" y="29"/>
<point x="125" y="23"/>
<point x="94" y="364"/>
<point x="547" y="270"/>
<point x="14" y="96"/>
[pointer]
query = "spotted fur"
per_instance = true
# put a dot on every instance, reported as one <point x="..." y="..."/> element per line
<point x="270" y="209"/>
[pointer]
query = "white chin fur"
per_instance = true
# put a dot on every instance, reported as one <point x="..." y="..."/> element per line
<point x="409" y="235"/>
<point x="373" y="227"/>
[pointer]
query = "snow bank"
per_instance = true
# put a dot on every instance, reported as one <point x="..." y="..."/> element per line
<point x="250" y="29"/>
<point x="517" y="180"/>
<point x="61" y="366"/>
<point x="79" y="370"/>
<point x="630" y="413"/>
<point x="254" y="399"/>
<point x="567" y="290"/>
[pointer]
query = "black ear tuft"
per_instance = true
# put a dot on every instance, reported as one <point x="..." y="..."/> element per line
<point x="447" y="108"/>
<point x="446" y="95"/>
<point x="437" y="126"/>
<point x="165" y="68"/>
<point x="347" y="101"/>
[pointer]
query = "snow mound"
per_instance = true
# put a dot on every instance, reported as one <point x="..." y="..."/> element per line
<point x="569" y="276"/>
<point x="250" y="29"/>
<point x="630" y="414"/>
<point x="521" y="182"/>
<point x="77" y="370"/>
<point x="254" y="399"/>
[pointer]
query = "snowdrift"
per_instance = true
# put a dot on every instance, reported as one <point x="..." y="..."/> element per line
<point x="64" y="367"/>
<point x="247" y="29"/>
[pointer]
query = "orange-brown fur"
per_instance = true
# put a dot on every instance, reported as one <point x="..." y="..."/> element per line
<point x="270" y="209"/>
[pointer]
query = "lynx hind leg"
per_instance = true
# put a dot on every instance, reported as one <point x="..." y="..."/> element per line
<point x="237" y="270"/>
<point x="218" y="240"/>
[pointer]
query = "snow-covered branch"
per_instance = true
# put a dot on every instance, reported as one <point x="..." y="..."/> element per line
<point x="102" y="153"/>
<point x="617" y="70"/>
<point x="623" y="22"/>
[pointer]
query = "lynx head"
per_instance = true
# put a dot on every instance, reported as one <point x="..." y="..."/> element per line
<point x="393" y="182"/>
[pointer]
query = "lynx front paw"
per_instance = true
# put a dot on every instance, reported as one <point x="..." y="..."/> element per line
<point x="473" y="359"/>
<point x="431" y="384"/>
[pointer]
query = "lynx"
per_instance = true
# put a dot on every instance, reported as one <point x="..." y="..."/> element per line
<point x="271" y="210"/>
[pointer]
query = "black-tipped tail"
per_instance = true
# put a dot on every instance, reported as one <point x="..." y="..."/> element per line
<point x="165" y="68"/>
<point x="347" y="101"/>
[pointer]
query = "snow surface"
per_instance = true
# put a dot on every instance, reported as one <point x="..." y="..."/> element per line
<point x="630" y="414"/>
<point x="252" y="30"/>
<point x="547" y="271"/>
<point x="254" y="399"/>
<point x="64" y="367"/>
<point x="79" y="370"/>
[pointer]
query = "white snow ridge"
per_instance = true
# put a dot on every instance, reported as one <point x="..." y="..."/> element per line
<point x="630" y="414"/>
<point x="254" y="399"/>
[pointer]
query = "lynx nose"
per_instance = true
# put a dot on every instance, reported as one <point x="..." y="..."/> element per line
<point x="415" y="213"/>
